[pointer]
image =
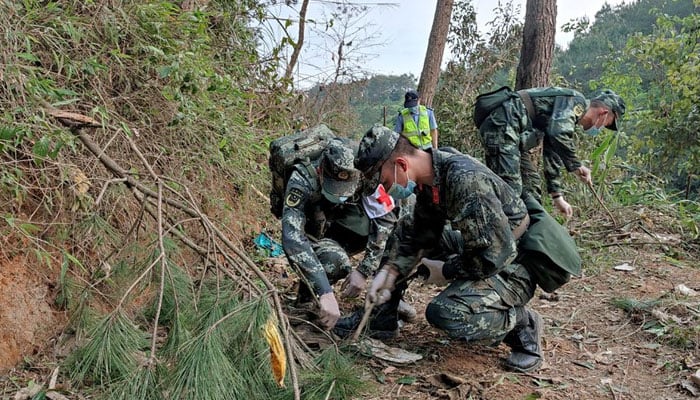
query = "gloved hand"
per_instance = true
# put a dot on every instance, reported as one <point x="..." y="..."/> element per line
<point x="353" y="284"/>
<point x="383" y="283"/>
<point x="563" y="207"/>
<point x="584" y="175"/>
<point x="329" y="312"/>
<point x="435" y="267"/>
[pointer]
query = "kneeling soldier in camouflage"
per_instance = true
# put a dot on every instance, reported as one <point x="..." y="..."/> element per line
<point x="324" y="222"/>
<point x="487" y="290"/>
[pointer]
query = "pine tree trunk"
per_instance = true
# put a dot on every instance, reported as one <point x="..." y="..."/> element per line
<point x="433" y="55"/>
<point x="535" y="63"/>
<point x="538" y="44"/>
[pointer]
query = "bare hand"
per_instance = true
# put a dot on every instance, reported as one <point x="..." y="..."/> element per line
<point x="584" y="174"/>
<point x="329" y="312"/>
<point x="436" y="276"/>
<point x="353" y="284"/>
<point x="383" y="283"/>
<point x="563" y="207"/>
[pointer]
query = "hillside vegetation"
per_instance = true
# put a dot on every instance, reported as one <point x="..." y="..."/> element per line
<point x="133" y="142"/>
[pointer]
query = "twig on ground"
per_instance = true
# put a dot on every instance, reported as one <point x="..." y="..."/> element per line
<point x="590" y="185"/>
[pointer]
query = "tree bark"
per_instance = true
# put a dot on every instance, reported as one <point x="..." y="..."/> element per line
<point x="538" y="44"/>
<point x="300" y="41"/>
<point x="433" y="55"/>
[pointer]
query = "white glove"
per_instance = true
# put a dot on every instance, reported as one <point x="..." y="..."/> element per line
<point x="383" y="283"/>
<point x="563" y="207"/>
<point x="584" y="175"/>
<point x="353" y="284"/>
<point x="329" y="312"/>
<point x="435" y="267"/>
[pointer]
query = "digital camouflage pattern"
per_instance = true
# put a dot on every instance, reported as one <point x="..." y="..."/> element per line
<point x="614" y="102"/>
<point x="508" y="131"/>
<point x="480" y="211"/>
<point x="340" y="178"/>
<point x="288" y="152"/>
<point x="318" y="236"/>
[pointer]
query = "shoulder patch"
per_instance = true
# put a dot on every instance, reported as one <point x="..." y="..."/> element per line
<point x="293" y="198"/>
<point x="579" y="110"/>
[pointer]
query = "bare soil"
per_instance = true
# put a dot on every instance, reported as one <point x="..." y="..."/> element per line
<point x="593" y="348"/>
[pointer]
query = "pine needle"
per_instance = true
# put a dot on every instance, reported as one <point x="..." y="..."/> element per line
<point x="336" y="377"/>
<point x="204" y="371"/>
<point x="142" y="384"/>
<point x="110" y="352"/>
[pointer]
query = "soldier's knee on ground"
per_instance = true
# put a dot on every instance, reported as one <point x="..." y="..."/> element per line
<point x="440" y="317"/>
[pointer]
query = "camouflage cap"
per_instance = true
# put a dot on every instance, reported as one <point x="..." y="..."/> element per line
<point x="339" y="176"/>
<point x="615" y="103"/>
<point x="375" y="147"/>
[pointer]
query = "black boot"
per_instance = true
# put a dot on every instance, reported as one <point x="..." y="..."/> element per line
<point x="304" y="295"/>
<point x="383" y="322"/>
<point x="525" y="341"/>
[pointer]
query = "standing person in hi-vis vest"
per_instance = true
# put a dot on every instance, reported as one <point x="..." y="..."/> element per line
<point x="417" y="122"/>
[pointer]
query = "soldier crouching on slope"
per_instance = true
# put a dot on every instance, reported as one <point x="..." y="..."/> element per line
<point x="324" y="222"/>
<point x="487" y="290"/>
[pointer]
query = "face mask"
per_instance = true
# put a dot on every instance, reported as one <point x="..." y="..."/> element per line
<point x="595" y="129"/>
<point x="334" y="199"/>
<point x="399" y="192"/>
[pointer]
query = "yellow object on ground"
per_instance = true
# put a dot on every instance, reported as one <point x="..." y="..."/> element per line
<point x="278" y="357"/>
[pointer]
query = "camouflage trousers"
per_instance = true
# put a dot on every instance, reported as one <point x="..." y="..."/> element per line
<point x="481" y="311"/>
<point x="505" y="153"/>
<point x="334" y="259"/>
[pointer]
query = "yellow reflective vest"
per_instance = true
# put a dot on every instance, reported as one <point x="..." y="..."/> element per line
<point x="418" y="135"/>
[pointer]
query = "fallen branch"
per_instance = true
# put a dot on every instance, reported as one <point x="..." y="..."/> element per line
<point x="77" y="122"/>
<point x="600" y="201"/>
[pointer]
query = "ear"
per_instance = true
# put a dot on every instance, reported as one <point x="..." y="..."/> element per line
<point x="401" y="162"/>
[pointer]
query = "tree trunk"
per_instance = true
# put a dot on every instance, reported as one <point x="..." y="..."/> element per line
<point x="300" y="41"/>
<point x="538" y="44"/>
<point x="533" y="70"/>
<point x="433" y="55"/>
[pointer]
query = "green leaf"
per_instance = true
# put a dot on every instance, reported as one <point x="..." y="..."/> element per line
<point x="407" y="380"/>
<point x="28" y="57"/>
<point x="165" y="71"/>
<point x="74" y="260"/>
<point x="41" y="148"/>
<point x="29" y="229"/>
<point x="8" y="132"/>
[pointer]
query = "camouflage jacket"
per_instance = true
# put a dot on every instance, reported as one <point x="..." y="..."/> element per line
<point x="557" y="111"/>
<point x="307" y="216"/>
<point x="474" y="201"/>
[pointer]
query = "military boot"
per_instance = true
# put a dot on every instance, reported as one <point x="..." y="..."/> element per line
<point x="304" y="295"/>
<point x="383" y="323"/>
<point x="525" y="341"/>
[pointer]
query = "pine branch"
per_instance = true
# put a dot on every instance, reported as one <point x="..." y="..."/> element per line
<point x="136" y="186"/>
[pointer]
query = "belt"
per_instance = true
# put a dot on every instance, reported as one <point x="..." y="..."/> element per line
<point x="527" y="100"/>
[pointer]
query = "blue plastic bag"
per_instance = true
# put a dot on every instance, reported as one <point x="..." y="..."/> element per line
<point x="264" y="241"/>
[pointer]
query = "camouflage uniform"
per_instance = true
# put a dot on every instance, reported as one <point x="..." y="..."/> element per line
<point x="478" y="249"/>
<point x="318" y="236"/>
<point x="509" y="135"/>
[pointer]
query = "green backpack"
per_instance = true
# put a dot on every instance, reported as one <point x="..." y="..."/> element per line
<point x="303" y="147"/>
<point x="487" y="102"/>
